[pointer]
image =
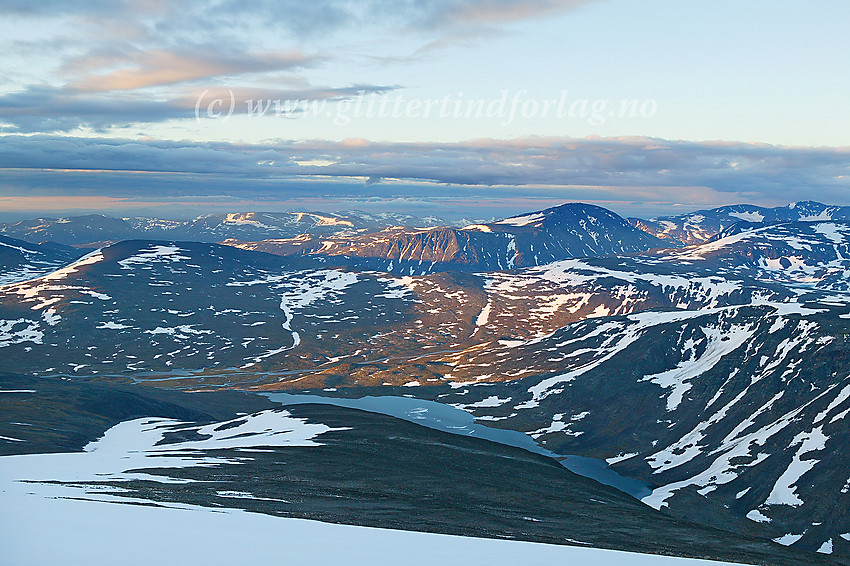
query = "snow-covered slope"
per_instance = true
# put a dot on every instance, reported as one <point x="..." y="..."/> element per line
<point x="799" y="255"/>
<point x="21" y="260"/>
<point x="50" y="526"/>
<point x="139" y="306"/>
<point x="702" y="225"/>
<point x="739" y="408"/>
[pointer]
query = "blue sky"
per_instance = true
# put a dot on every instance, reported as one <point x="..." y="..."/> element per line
<point x="653" y="106"/>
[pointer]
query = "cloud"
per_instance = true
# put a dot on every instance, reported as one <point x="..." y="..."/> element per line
<point x="489" y="12"/>
<point x="51" y="109"/>
<point x="109" y="30"/>
<point x="617" y="169"/>
<point x="62" y="109"/>
<point x="160" y="67"/>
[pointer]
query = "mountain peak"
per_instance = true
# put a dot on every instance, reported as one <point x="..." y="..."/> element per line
<point x="567" y="210"/>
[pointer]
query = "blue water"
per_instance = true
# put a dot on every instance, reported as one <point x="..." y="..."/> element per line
<point x="457" y="421"/>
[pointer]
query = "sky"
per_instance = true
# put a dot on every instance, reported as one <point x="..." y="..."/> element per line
<point x="475" y="108"/>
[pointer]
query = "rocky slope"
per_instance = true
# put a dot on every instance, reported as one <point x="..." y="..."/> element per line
<point x="567" y="231"/>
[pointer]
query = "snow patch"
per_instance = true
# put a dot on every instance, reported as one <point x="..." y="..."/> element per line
<point x="748" y="216"/>
<point x="166" y="254"/>
<point x="757" y="516"/>
<point x="523" y="220"/>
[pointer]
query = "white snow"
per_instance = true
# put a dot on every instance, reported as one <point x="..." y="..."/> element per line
<point x="21" y="273"/>
<point x="323" y="220"/>
<point x="310" y="288"/>
<point x="489" y="402"/>
<point x="396" y="288"/>
<point x="89" y="259"/>
<point x="789" y="539"/>
<point x="241" y="219"/>
<point x="103" y="534"/>
<point x="578" y="273"/>
<point x="300" y="290"/>
<point x="136" y="444"/>
<point x="558" y="424"/>
<point x="110" y="325"/>
<point x="748" y="216"/>
<point x="523" y="220"/>
<point x="483" y="316"/>
<point x="823" y="215"/>
<point x="621" y="336"/>
<point x="178" y="331"/>
<point x="51" y="317"/>
<point x="18" y="331"/>
<point x="95" y="294"/>
<point x="832" y="232"/>
<point x="719" y="344"/>
<point x="20" y="249"/>
<point x="511" y="251"/>
<point x="719" y="468"/>
<point x="620" y="458"/>
<point x="742" y="493"/>
<point x="839" y="399"/>
<point x="826" y="547"/>
<point x="166" y="254"/>
<point x="757" y="516"/>
<point x="783" y="492"/>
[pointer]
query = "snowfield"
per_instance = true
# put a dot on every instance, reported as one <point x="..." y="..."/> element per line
<point x="47" y="524"/>
<point x="96" y="533"/>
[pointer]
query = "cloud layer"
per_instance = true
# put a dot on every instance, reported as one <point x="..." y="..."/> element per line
<point x="627" y="170"/>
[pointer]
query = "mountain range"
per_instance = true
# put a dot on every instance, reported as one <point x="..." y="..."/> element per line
<point x="399" y="242"/>
<point x="716" y="373"/>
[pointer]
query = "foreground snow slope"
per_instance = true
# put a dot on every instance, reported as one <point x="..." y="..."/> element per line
<point x="56" y="508"/>
<point x="68" y="531"/>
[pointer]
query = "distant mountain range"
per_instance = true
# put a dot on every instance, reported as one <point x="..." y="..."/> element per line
<point x="94" y="230"/>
